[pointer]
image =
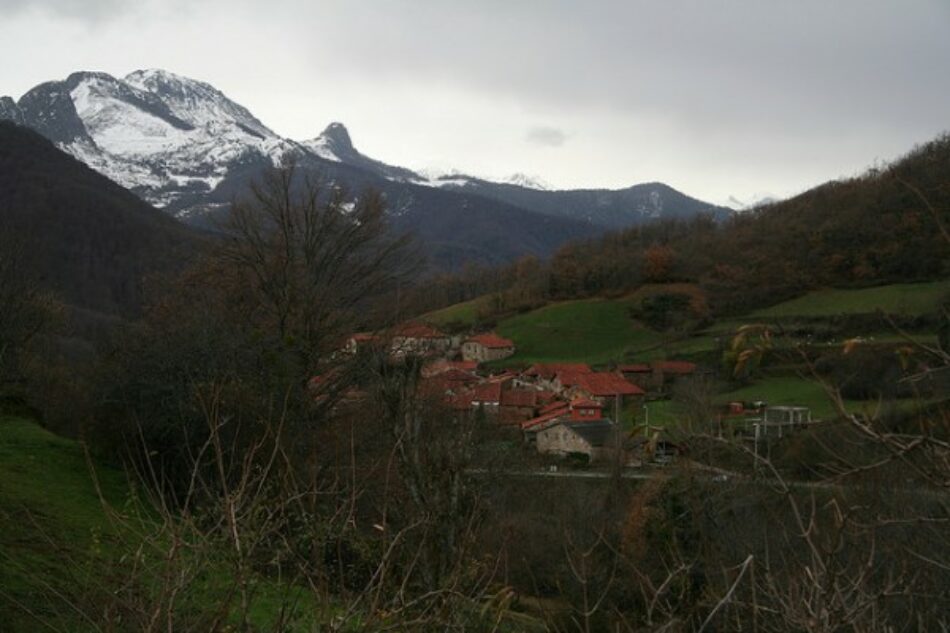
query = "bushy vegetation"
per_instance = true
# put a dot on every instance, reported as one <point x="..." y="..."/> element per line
<point x="260" y="480"/>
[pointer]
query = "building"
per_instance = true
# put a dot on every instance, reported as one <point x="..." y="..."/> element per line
<point x="419" y="338"/>
<point x="360" y="341"/>
<point x="487" y="347"/>
<point x="603" y="387"/>
<point x="440" y="366"/>
<point x="787" y="416"/>
<point x="519" y="405"/>
<point x="762" y="422"/>
<point x="543" y="374"/>
<point x="487" y="395"/>
<point x="581" y="431"/>
<point x="658" y="375"/>
<point x="578" y="427"/>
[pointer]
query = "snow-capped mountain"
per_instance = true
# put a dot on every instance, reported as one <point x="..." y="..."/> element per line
<point x="159" y="134"/>
<point x="756" y="200"/>
<point x="184" y="146"/>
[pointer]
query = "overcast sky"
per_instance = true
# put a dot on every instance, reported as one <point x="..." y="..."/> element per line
<point x="715" y="98"/>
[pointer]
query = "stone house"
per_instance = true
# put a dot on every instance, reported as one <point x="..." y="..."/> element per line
<point x="519" y="405"/>
<point x="419" y="338"/>
<point x="544" y="374"/>
<point x="583" y="431"/>
<point x="360" y="341"/>
<point x="487" y="347"/>
<point x="604" y="387"/>
<point x="567" y="437"/>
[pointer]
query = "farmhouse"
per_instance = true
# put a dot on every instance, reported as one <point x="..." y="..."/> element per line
<point x="360" y="341"/>
<point x="544" y="374"/>
<point x="441" y="366"/>
<point x="567" y="436"/>
<point x="518" y="405"/>
<point x="584" y="431"/>
<point x="419" y="338"/>
<point x="487" y="395"/>
<point x="600" y="386"/>
<point x="487" y="347"/>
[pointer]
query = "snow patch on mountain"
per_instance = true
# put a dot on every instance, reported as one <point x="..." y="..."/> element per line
<point x="160" y="134"/>
<point x="321" y="146"/>
<point x="744" y="204"/>
<point x="529" y="182"/>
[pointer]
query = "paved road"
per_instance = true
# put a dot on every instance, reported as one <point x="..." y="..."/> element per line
<point x="718" y="478"/>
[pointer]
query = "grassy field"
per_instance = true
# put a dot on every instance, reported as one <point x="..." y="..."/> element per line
<point x="794" y="390"/>
<point x="58" y="546"/>
<point x="898" y="299"/>
<point x="461" y="313"/>
<point x="51" y="520"/>
<point x="590" y="330"/>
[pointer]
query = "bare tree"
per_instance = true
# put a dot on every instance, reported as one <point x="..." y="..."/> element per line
<point x="305" y="256"/>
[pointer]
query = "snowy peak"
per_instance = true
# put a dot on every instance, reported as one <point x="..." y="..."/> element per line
<point x="528" y="182"/>
<point x="337" y="136"/>
<point x="335" y="144"/>
<point x="196" y="102"/>
<point x="169" y="138"/>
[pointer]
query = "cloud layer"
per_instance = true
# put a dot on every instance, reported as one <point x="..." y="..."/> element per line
<point x="718" y="99"/>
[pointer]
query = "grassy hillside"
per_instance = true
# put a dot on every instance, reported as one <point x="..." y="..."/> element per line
<point x="52" y="523"/>
<point x="465" y="313"/>
<point x="59" y="548"/>
<point x="899" y="299"/>
<point x="602" y="330"/>
<point x="590" y="330"/>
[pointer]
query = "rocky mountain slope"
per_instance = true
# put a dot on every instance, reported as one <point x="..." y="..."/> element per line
<point x="185" y="147"/>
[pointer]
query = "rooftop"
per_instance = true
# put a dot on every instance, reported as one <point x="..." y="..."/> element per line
<point x="491" y="341"/>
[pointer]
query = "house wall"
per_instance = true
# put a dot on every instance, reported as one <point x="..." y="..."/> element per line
<point x="560" y="440"/>
<point x="408" y="345"/>
<point x="477" y="351"/>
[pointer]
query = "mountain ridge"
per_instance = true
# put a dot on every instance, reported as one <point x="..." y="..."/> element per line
<point x="183" y="146"/>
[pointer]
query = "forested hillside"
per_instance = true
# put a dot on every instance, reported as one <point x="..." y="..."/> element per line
<point x="81" y="235"/>
<point x="888" y="225"/>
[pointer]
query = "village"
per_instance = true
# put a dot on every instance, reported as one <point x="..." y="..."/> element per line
<point x="568" y="413"/>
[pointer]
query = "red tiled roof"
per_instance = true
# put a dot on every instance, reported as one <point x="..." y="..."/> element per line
<point x="486" y="392"/>
<point x="442" y="366"/>
<point x="549" y="370"/>
<point x="636" y="368"/>
<point x="364" y="337"/>
<point x="460" y="402"/>
<point x="519" y="398"/>
<point x="570" y="378"/>
<point x="675" y="366"/>
<point x="417" y="330"/>
<point x="490" y="340"/>
<point x="603" y="384"/>
<point x="542" y="419"/>
<point x="457" y="375"/>
<point x="504" y="375"/>
<point x="557" y="405"/>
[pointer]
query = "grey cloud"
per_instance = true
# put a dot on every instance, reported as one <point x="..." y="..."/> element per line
<point x="547" y="136"/>
<point x="82" y="10"/>
<point x="794" y="90"/>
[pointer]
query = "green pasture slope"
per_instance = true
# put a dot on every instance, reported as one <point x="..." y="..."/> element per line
<point x="58" y="546"/>
<point x="601" y="330"/>
<point x="588" y="330"/>
<point x="464" y="314"/>
<point x="897" y="299"/>
<point x="52" y="523"/>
